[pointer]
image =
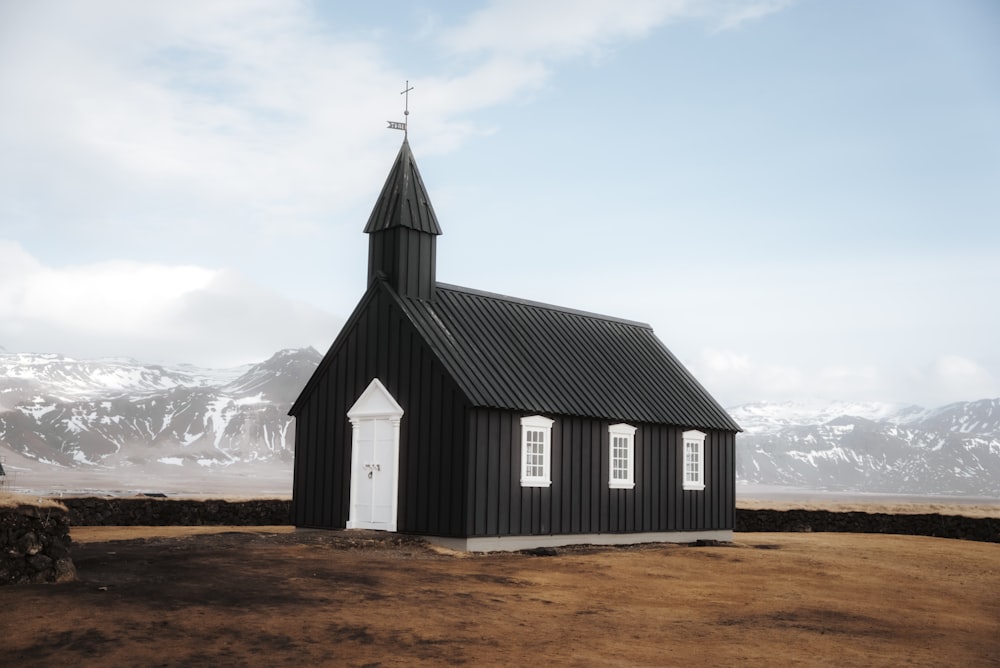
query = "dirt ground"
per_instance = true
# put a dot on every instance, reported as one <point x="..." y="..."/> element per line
<point x="273" y="596"/>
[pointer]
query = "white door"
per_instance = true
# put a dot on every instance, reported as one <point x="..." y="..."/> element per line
<point x="375" y="419"/>
<point x="374" y="470"/>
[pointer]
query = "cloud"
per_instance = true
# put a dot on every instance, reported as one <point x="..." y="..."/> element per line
<point x="735" y="14"/>
<point x="160" y="130"/>
<point x="185" y="115"/>
<point x="559" y="29"/>
<point x="952" y="378"/>
<point x="209" y="117"/>
<point x="155" y="313"/>
<point x="736" y="378"/>
<point x="511" y="48"/>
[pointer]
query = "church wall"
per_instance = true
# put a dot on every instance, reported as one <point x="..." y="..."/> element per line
<point x="378" y="341"/>
<point x="579" y="501"/>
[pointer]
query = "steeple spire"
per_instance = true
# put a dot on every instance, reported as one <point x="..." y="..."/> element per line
<point x="404" y="201"/>
<point x="403" y="231"/>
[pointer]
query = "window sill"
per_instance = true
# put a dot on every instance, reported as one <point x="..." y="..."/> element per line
<point x="695" y="488"/>
<point x="535" y="483"/>
<point x="621" y="485"/>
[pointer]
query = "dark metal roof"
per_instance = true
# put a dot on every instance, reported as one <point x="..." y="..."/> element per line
<point x="520" y="355"/>
<point x="403" y="201"/>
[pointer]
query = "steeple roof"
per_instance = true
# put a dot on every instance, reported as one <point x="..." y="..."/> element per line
<point x="403" y="201"/>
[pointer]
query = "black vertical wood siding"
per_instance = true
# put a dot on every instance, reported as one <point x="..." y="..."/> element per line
<point x="579" y="499"/>
<point x="460" y="467"/>
<point x="406" y="258"/>
<point x="378" y="341"/>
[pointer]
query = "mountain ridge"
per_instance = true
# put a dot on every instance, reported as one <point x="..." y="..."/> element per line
<point x="885" y="448"/>
<point x="118" y="414"/>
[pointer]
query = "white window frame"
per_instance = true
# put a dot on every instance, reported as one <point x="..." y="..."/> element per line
<point x="693" y="443"/>
<point x="625" y="433"/>
<point x="536" y="425"/>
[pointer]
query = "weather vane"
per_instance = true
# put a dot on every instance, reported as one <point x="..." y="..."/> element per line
<point x="396" y="125"/>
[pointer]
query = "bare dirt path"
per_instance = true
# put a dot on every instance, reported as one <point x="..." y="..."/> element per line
<point x="270" y="596"/>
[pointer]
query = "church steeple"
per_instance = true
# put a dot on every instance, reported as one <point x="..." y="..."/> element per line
<point x="403" y="231"/>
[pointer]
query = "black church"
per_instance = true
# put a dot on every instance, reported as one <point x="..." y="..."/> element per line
<point x="487" y="422"/>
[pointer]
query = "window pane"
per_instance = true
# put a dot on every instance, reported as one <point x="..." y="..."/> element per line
<point x="534" y="454"/>
<point x="692" y="462"/>
<point x="621" y="454"/>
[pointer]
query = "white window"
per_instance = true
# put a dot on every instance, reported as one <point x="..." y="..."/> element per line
<point x="621" y="450"/>
<point x="694" y="459"/>
<point x="536" y="451"/>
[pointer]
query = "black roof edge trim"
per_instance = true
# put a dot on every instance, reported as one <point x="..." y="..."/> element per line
<point x="429" y="341"/>
<point x="543" y="305"/>
<point x="369" y="294"/>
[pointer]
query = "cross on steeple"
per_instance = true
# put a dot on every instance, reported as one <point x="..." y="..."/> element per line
<point x="406" y="92"/>
<point x="396" y="125"/>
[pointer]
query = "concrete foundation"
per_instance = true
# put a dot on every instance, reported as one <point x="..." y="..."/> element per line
<point x="515" y="543"/>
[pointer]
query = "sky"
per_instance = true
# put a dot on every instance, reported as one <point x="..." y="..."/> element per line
<point x="802" y="197"/>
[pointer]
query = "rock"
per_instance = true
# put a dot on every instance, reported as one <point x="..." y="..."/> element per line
<point x="28" y="544"/>
<point x="542" y="552"/>
<point x="40" y="562"/>
<point x="57" y="550"/>
<point x="942" y="526"/>
<point x="34" y="545"/>
<point x="65" y="571"/>
<point x="146" y="511"/>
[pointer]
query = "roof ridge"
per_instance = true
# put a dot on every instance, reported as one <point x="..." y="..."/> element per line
<point x="542" y="305"/>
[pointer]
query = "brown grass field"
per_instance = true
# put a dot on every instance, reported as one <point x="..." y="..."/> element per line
<point x="273" y="596"/>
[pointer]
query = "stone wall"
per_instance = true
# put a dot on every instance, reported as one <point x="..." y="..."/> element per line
<point x="944" y="526"/>
<point x="35" y="545"/>
<point x="91" y="511"/>
<point x="187" y="512"/>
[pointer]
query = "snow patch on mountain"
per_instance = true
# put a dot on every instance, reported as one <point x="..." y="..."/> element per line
<point x="121" y="413"/>
<point x="872" y="447"/>
<point x="768" y="417"/>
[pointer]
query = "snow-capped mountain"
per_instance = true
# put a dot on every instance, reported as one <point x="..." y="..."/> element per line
<point x="874" y="447"/>
<point x="119" y="412"/>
